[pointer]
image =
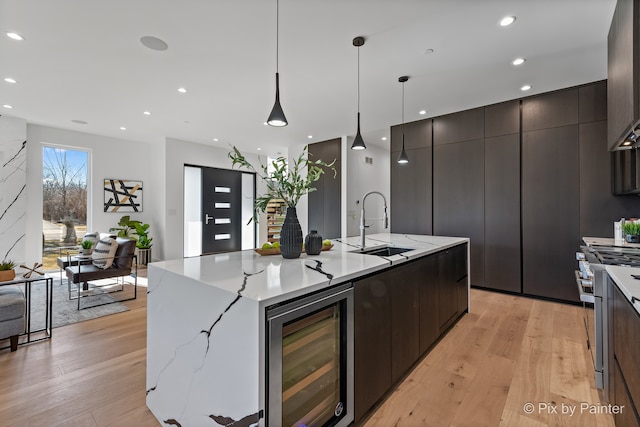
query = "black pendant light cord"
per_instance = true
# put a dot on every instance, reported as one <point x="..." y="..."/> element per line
<point x="277" y="34"/>
<point x="358" y="79"/>
<point x="403" y="114"/>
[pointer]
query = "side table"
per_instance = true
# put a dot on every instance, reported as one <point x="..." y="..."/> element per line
<point x="48" y="327"/>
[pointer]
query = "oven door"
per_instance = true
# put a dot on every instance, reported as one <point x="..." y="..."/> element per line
<point x="310" y="361"/>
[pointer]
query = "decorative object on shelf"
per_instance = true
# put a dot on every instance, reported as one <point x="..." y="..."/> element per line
<point x="358" y="142"/>
<point x="313" y="243"/>
<point x="30" y="271"/>
<point x="277" y="117"/>
<point x="121" y="195"/>
<point x="402" y="158"/>
<point x="286" y="184"/>
<point x="7" y="271"/>
<point x="276" y="210"/>
<point x="631" y="231"/>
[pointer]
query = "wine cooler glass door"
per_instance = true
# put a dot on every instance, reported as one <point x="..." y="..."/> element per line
<point x="310" y="367"/>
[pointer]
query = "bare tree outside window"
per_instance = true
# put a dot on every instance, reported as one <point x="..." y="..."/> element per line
<point x="64" y="189"/>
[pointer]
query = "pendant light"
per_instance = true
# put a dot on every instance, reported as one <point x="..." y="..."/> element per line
<point x="358" y="142"/>
<point x="277" y="117"/>
<point x="402" y="158"/>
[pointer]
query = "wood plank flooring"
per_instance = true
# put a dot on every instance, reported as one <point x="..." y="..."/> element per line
<point x="510" y="350"/>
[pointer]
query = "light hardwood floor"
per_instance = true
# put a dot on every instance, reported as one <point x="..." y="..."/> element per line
<point x="508" y="351"/>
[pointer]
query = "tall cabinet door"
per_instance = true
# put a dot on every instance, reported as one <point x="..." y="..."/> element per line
<point x="458" y="182"/>
<point x="502" y="196"/>
<point x="550" y="194"/>
<point x="411" y="182"/>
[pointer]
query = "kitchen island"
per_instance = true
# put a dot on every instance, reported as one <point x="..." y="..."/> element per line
<point x="206" y="322"/>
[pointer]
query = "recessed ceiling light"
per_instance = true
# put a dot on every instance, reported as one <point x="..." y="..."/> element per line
<point x="309" y="136"/>
<point x="182" y="90"/>
<point x="259" y="149"/>
<point x="384" y="138"/>
<point x="215" y="139"/>
<point x="507" y="20"/>
<point x="626" y="143"/>
<point x="15" y="36"/>
<point x="80" y="122"/>
<point x="423" y="112"/>
<point x="518" y="61"/>
<point x="123" y="128"/>
<point x="8" y="106"/>
<point x="10" y="80"/>
<point x="147" y="113"/>
<point x="153" y="43"/>
<point x="525" y="87"/>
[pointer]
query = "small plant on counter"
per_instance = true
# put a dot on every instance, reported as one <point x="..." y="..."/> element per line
<point x="7" y="265"/>
<point x="631" y="232"/>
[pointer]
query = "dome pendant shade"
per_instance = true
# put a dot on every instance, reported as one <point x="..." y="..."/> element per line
<point x="403" y="158"/>
<point x="358" y="142"/>
<point x="277" y="117"/>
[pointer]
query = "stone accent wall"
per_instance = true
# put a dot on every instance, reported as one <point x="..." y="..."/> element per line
<point x="13" y="193"/>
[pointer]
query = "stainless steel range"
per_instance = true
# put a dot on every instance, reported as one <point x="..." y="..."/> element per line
<point x="591" y="279"/>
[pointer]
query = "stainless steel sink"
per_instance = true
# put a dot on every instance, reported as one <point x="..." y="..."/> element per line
<point x="384" y="251"/>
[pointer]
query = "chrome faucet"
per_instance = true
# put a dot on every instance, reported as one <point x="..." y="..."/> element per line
<point x="362" y="218"/>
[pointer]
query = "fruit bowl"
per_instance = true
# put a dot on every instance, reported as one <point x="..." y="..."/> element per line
<point x="272" y="251"/>
<point x="327" y="248"/>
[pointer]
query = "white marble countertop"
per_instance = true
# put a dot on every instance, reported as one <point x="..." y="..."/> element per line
<point x="608" y="241"/>
<point x="629" y="286"/>
<point x="271" y="279"/>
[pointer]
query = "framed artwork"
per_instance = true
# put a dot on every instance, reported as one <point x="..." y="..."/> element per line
<point x="122" y="195"/>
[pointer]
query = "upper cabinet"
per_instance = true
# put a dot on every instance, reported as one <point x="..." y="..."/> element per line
<point x="623" y="84"/>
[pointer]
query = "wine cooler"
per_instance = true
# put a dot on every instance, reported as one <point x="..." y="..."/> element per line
<point x="310" y="361"/>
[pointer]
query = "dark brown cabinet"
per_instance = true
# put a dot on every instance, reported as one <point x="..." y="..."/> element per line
<point x="411" y="183"/>
<point x="458" y="197"/>
<point x="372" y="340"/>
<point x="550" y="194"/>
<point x="396" y="319"/>
<point x="623" y="84"/>
<point x="626" y="351"/>
<point x="325" y="203"/>
<point x="405" y="319"/>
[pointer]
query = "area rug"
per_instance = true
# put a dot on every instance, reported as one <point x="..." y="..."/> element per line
<point x="66" y="311"/>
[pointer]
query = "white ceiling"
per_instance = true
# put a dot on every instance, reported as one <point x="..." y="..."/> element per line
<point x="82" y="60"/>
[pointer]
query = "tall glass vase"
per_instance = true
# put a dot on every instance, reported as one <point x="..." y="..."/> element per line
<point x="291" y="235"/>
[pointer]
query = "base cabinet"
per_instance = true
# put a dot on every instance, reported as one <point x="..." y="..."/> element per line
<point x="626" y="353"/>
<point x="396" y="319"/>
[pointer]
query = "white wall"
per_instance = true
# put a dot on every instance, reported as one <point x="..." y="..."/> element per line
<point x="361" y="178"/>
<point x="109" y="158"/>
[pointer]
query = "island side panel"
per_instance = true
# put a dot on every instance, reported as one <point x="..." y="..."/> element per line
<point x="202" y="352"/>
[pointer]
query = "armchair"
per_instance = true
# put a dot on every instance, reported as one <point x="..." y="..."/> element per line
<point x="81" y="273"/>
<point x="12" y="314"/>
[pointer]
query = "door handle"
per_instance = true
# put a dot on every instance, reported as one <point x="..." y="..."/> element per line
<point x="207" y="218"/>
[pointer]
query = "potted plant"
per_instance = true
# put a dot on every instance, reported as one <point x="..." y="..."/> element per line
<point x="288" y="184"/>
<point x="87" y="247"/>
<point x="7" y="271"/>
<point x="631" y="232"/>
<point x="143" y="243"/>
<point x="136" y="230"/>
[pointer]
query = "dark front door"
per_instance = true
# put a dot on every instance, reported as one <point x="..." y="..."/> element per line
<point x="221" y="210"/>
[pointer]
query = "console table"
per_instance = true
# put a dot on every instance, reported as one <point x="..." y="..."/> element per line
<point x="48" y="327"/>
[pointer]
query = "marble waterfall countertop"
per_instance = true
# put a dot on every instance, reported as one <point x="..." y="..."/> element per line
<point x="628" y="285"/>
<point x="206" y="334"/>
<point x="271" y="279"/>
